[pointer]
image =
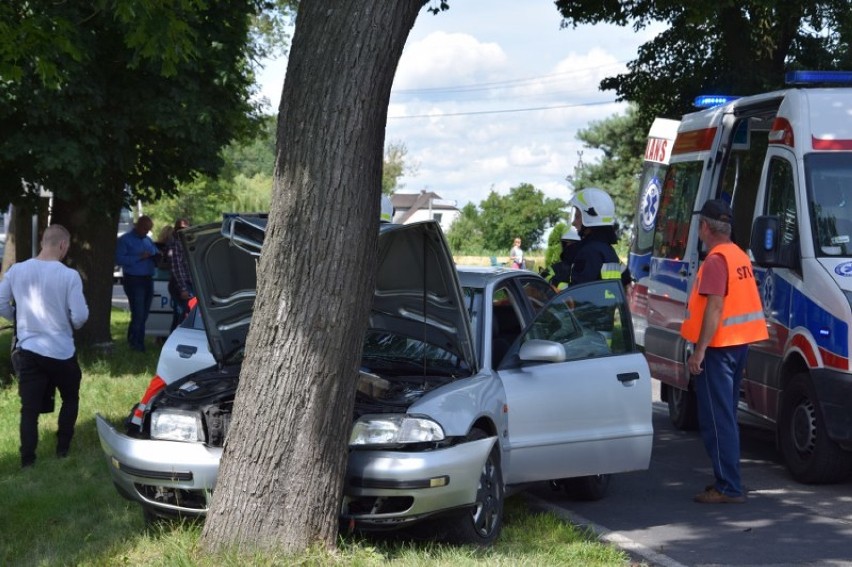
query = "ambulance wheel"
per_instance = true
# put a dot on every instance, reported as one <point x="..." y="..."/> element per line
<point x="810" y="455"/>
<point x="683" y="408"/>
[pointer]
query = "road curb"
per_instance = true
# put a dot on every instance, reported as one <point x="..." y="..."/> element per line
<point x="634" y="548"/>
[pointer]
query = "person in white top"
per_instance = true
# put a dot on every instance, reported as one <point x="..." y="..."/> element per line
<point x="44" y="298"/>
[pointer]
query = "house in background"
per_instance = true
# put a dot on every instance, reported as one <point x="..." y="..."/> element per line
<point x="414" y="207"/>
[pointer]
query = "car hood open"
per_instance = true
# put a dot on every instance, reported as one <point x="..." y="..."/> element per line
<point x="417" y="289"/>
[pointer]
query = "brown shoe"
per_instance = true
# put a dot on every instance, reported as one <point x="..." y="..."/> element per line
<point x="713" y="496"/>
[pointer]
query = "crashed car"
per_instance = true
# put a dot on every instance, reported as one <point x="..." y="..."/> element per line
<point x="474" y="381"/>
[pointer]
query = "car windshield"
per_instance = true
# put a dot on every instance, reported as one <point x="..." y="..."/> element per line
<point x="386" y="352"/>
<point x="829" y="180"/>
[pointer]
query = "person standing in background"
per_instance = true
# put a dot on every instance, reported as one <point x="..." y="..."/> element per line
<point x="180" y="282"/>
<point x="137" y="255"/>
<point x="45" y="300"/>
<point x="516" y="255"/>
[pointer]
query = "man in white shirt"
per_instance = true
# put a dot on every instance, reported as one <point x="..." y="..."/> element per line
<point x="45" y="300"/>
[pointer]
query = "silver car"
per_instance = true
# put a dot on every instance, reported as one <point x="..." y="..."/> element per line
<point x="474" y="381"/>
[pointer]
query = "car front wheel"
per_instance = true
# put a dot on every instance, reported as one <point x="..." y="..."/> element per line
<point x="480" y="524"/>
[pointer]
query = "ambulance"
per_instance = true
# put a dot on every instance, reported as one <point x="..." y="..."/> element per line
<point x="783" y="160"/>
<point x="658" y="151"/>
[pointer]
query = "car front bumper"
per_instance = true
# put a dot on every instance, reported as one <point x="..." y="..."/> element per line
<point x="166" y="477"/>
<point x="387" y="489"/>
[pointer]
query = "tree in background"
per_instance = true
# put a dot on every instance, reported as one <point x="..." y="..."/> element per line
<point x="554" y="243"/>
<point x="737" y="48"/>
<point x="395" y="167"/>
<point x="524" y="212"/>
<point x="464" y="233"/>
<point x="621" y="138"/>
<point x="101" y="99"/>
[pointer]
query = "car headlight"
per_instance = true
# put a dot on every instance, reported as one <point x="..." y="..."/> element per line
<point x="177" y="425"/>
<point x="394" y="430"/>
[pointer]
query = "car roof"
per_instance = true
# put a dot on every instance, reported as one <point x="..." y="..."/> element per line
<point x="483" y="276"/>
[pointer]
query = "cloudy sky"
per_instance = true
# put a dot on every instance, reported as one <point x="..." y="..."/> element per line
<point x="489" y="95"/>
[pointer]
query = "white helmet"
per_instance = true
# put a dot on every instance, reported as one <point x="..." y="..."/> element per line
<point x="571" y="234"/>
<point x="596" y="207"/>
<point x="387" y="210"/>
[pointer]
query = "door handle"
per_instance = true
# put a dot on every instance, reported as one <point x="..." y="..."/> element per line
<point x="186" y="351"/>
<point x="626" y="377"/>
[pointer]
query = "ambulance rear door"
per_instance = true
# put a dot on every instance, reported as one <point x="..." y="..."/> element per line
<point x="658" y="151"/>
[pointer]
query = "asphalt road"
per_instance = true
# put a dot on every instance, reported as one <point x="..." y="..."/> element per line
<point x="651" y="513"/>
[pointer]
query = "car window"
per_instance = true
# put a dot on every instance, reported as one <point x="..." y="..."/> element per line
<point x="393" y="353"/>
<point x="589" y="321"/>
<point x="506" y="323"/>
<point x="538" y="293"/>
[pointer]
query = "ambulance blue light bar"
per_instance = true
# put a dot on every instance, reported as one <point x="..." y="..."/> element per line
<point x="817" y="77"/>
<point x="709" y="101"/>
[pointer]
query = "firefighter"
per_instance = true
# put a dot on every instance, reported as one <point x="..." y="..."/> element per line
<point x="559" y="274"/>
<point x="594" y="219"/>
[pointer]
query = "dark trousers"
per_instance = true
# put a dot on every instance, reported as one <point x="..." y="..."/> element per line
<point x="180" y="307"/>
<point x="38" y="378"/>
<point x="140" y="292"/>
<point x="717" y="390"/>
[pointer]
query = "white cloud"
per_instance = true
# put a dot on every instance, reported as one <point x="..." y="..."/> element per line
<point x="488" y="96"/>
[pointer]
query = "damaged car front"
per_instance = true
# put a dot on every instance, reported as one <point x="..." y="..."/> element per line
<point x="404" y="465"/>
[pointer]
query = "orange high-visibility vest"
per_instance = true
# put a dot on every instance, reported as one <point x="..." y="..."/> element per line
<point x="742" y="320"/>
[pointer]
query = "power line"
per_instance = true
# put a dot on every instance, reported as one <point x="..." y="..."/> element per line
<point x="499" y="84"/>
<point x="503" y="111"/>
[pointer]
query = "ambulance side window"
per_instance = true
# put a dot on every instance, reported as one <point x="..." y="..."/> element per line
<point x="675" y="215"/>
<point x="781" y="202"/>
<point x="741" y="179"/>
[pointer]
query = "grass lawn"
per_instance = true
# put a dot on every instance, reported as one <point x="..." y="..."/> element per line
<point x="67" y="512"/>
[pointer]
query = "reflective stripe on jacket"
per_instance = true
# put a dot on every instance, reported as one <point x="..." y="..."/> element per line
<point x="742" y="320"/>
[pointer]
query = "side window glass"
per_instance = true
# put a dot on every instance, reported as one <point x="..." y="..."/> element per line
<point x="588" y="320"/>
<point x="675" y="215"/>
<point x="505" y="324"/>
<point x="741" y="177"/>
<point x="538" y="293"/>
<point x="781" y="199"/>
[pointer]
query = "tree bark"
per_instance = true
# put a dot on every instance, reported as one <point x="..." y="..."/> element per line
<point x="280" y="479"/>
<point x="92" y="254"/>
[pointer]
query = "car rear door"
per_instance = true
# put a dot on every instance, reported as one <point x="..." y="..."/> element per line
<point x="586" y="411"/>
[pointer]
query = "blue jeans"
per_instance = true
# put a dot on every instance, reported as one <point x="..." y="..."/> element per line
<point x="140" y="292"/>
<point x="717" y="390"/>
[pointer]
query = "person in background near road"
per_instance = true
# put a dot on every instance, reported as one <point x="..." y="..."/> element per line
<point x="516" y="255"/>
<point x="560" y="272"/>
<point x="180" y="283"/>
<point x="165" y="236"/>
<point x="137" y="255"/>
<point x="724" y="315"/>
<point x="45" y="300"/>
<point x="594" y="219"/>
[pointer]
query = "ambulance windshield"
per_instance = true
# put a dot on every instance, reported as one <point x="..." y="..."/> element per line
<point x="829" y="179"/>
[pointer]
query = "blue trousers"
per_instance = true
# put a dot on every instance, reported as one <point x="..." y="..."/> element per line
<point x="140" y="292"/>
<point x="717" y="390"/>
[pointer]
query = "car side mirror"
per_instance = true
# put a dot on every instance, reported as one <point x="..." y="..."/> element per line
<point x="765" y="244"/>
<point x="537" y="350"/>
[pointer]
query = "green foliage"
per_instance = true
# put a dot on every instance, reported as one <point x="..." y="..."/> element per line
<point x="621" y="138"/>
<point x="736" y="48"/>
<point x="524" y="213"/>
<point x="395" y="167"/>
<point x="464" y="233"/>
<point x="554" y="243"/>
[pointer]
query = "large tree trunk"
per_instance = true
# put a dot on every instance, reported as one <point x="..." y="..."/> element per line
<point x="92" y="254"/>
<point x="280" y="479"/>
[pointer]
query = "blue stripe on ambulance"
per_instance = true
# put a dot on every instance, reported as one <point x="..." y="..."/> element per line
<point x="793" y="309"/>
